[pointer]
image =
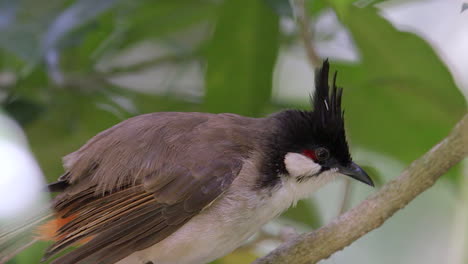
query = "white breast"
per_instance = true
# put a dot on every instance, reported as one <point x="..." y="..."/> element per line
<point x="228" y="222"/>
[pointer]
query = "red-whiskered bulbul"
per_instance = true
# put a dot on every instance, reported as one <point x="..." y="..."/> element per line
<point x="187" y="188"/>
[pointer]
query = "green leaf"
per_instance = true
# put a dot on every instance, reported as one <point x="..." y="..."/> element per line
<point x="281" y="7"/>
<point x="76" y="15"/>
<point x="158" y="19"/>
<point x="401" y="99"/>
<point x="82" y="48"/>
<point x="22" y="25"/>
<point x="314" y="7"/>
<point x="342" y="6"/>
<point x="241" y="57"/>
<point x="130" y="22"/>
<point x="23" y="110"/>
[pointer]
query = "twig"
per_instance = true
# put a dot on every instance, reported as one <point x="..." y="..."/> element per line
<point x="372" y="213"/>
<point x="306" y="32"/>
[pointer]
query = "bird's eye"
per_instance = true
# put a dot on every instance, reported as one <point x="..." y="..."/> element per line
<point x="322" y="154"/>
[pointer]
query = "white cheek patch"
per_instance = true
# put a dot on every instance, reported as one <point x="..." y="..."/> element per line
<point x="299" y="165"/>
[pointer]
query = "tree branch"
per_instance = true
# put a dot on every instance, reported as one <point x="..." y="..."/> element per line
<point x="372" y="212"/>
<point x="307" y="35"/>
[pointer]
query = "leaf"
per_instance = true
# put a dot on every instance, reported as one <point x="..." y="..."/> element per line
<point x="23" y="110"/>
<point x="22" y="25"/>
<point x="401" y="99"/>
<point x="241" y="58"/>
<point x="150" y="19"/>
<point x="131" y="22"/>
<point x="281" y="7"/>
<point x="341" y="6"/>
<point x="82" y="49"/>
<point x="315" y="7"/>
<point x="79" y="13"/>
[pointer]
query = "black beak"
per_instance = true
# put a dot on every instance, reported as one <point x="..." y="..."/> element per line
<point x="355" y="172"/>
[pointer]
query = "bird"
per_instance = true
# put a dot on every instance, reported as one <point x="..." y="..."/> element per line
<point x="189" y="187"/>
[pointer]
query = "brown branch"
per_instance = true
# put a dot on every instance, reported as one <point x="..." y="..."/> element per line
<point x="306" y="32"/>
<point x="371" y="213"/>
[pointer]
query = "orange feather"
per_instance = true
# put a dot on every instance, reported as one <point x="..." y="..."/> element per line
<point x="48" y="230"/>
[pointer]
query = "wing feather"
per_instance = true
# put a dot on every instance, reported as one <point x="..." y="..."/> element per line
<point x="166" y="168"/>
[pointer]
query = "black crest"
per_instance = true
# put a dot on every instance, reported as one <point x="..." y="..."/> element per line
<point x="298" y="130"/>
<point x="327" y="115"/>
<point x="326" y="105"/>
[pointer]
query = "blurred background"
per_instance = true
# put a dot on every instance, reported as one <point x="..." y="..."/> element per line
<point x="69" y="69"/>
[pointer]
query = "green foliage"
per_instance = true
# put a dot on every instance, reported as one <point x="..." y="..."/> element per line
<point x="400" y="99"/>
<point x="410" y="91"/>
<point x="241" y="57"/>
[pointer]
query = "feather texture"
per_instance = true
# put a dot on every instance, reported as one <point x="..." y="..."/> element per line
<point x="139" y="181"/>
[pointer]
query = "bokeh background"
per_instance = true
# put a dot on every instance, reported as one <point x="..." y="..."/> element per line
<point x="69" y="69"/>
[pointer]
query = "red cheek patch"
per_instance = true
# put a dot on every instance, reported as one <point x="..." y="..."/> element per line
<point x="309" y="153"/>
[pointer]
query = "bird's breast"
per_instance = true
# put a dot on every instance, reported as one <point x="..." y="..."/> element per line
<point x="227" y="223"/>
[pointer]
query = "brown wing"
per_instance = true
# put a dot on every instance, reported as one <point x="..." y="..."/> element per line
<point x="136" y="183"/>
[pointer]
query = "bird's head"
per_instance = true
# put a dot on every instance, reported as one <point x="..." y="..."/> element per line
<point x="310" y="143"/>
